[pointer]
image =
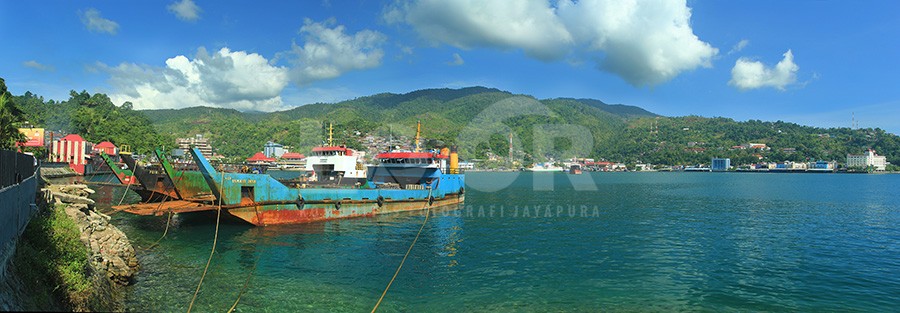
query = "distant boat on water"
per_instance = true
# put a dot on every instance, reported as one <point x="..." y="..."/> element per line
<point x="575" y="169"/>
<point x="544" y="167"/>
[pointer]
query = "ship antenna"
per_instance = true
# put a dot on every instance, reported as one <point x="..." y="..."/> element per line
<point x="418" y="130"/>
<point x="330" y="134"/>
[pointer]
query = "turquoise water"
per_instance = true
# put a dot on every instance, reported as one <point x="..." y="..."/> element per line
<point x="639" y="242"/>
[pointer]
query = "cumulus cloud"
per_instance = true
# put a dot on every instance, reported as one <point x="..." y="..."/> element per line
<point x="457" y="60"/>
<point x="229" y="79"/>
<point x="38" y="66"/>
<point x="96" y="23"/>
<point x="329" y="52"/>
<point x="739" y="46"/>
<point x="531" y="26"/>
<point x="644" y="42"/>
<point x="186" y="10"/>
<point x="748" y="74"/>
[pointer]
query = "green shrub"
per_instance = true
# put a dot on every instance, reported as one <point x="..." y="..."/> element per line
<point x="53" y="262"/>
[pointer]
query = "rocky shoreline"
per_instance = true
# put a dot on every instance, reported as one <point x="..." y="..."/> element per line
<point x="110" y="253"/>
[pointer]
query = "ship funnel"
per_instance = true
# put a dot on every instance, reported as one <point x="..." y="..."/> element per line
<point x="454" y="160"/>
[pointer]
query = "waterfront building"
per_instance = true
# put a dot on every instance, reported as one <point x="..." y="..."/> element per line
<point x="822" y="166"/>
<point x="71" y="149"/>
<point x="869" y="158"/>
<point x="273" y="150"/>
<point x="643" y="167"/>
<point x="293" y="159"/>
<point x="260" y="159"/>
<point x="467" y="165"/>
<point x="197" y="141"/>
<point x="720" y="164"/>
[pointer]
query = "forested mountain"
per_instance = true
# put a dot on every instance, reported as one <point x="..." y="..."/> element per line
<point x="443" y="113"/>
<point x="95" y="118"/>
<point x="453" y="116"/>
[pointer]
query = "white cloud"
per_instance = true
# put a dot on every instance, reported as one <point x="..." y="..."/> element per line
<point x="528" y="25"/>
<point x="328" y="52"/>
<point x="457" y="60"/>
<point x="96" y="23"/>
<point x="228" y="79"/>
<point x="739" y="46"/>
<point x="185" y="10"/>
<point x="644" y="42"/>
<point x="38" y="66"/>
<point x="748" y="74"/>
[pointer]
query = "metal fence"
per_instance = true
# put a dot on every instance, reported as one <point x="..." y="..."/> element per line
<point x="18" y="185"/>
<point x="15" y="167"/>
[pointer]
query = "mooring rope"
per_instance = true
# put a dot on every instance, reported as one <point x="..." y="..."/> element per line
<point x="427" y="214"/>
<point x="168" y="221"/>
<point x="124" y="193"/>
<point x="246" y="283"/>
<point x="215" y="239"/>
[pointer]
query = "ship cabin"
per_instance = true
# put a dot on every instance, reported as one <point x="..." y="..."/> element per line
<point x="408" y="170"/>
<point x="336" y="164"/>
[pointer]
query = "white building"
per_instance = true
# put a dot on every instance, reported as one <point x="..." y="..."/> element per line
<point x="273" y="150"/>
<point x="879" y="162"/>
<point x="198" y="142"/>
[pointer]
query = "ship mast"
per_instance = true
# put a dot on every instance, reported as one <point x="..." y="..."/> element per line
<point x="330" y="134"/>
<point x="418" y="131"/>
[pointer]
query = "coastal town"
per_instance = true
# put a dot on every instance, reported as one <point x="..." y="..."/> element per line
<point x="78" y="153"/>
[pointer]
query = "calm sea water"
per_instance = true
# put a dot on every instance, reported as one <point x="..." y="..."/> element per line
<point x="608" y="241"/>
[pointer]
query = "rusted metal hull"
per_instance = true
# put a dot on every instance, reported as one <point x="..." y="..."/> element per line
<point x="188" y="184"/>
<point x="160" y="208"/>
<point x="279" y="214"/>
<point x="261" y="200"/>
<point x="155" y="182"/>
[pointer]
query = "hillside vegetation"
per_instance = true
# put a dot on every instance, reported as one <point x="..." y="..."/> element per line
<point x="478" y="119"/>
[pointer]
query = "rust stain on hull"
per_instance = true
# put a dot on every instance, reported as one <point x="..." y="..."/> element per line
<point x="282" y="214"/>
<point x="262" y="215"/>
<point x="160" y="208"/>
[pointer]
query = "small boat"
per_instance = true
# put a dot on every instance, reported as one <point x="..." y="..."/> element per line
<point x="545" y="167"/>
<point x="575" y="169"/>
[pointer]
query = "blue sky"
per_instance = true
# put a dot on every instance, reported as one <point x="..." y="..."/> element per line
<point x="809" y="62"/>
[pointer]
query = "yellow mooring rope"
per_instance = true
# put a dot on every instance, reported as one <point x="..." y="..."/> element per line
<point x="215" y="239"/>
<point x="246" y="283"/>
<point x="427" y="214"/>
<point x="127" y="187"/>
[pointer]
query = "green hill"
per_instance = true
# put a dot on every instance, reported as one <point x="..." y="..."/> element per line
<point x="443" y="112"/>
<point x="478" y="119"/>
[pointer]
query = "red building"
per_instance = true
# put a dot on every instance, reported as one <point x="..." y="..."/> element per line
<point x="71" y="149"/>
<point x="260" y="158"/>
<point x="293" y="156"/>
<point x="107" y="147"/>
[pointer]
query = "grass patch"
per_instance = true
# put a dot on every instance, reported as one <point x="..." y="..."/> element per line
<point x="53" y="263"/>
